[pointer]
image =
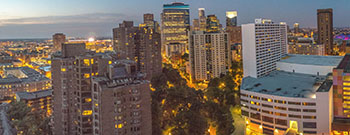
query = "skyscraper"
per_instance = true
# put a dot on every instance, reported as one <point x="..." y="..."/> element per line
<point x="175" y="26"/>
<point x="296" y="27"/>
<point x="140" y="44"/>
<point x="202" y="19"/>
<point x="264" y="38"/>
<point x="58" y="39"/>
<point x="231" y="18"/>
<point x="325" y="29"/>
<point x="213" y="24"/>
<point x="196" y="25"/>
<point x="209" y="54"/>
<point x="72" y="99"/>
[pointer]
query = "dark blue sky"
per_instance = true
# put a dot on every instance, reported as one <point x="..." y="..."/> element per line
<point x="83" y="18"/>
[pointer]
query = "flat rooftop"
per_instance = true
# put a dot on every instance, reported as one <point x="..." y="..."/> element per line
<point x="34" y="95"/>
<point x="286" y="84"/>
<point x="312" y="60"/>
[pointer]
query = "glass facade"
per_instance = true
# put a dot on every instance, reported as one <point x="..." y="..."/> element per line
<point x="175" y="26"/>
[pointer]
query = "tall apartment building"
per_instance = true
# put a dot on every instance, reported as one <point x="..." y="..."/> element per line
<point x="264" y="43"/>
<point x="213" y="24"/>
<point x="121" y="101"/>
<point x="148" y="20"/>
<point x="58" y="39"/>
<point x="140" y="44"/>
<point x="325" y="29"/>
<point x="72" y="70"/>
<point x="123" y="40"/>
<point x="209" y="54"/>
<point x="231" y="18"/>
<point x="175" y="25"/>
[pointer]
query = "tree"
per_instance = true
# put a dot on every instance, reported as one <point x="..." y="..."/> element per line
<point x="27" y="121"/>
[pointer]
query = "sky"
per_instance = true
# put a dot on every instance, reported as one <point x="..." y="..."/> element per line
<point x="85" y="18"/>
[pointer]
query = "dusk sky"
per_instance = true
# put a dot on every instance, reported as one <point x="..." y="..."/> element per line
<point x="84" y="18"/>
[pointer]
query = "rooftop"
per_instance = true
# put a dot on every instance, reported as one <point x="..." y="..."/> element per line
<point x="286" y="84"/>
<point x="31" y="76"/>
<point x="345" y="63"/>
<point x="313" y="60"/>
<point x="34" y="95"/>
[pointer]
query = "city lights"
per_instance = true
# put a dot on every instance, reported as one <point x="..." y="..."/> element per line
<point x="175" y="68"/>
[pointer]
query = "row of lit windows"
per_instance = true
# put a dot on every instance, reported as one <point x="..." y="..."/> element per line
<point x="279" y="101"/>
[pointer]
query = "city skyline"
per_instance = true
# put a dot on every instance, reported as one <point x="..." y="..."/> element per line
<point x="39" y="19"/>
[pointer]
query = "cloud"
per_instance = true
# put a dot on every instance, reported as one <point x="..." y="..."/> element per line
<point x="99" y="24"/>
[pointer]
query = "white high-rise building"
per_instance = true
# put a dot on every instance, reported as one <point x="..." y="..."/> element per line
<point x="209" y="54"/>
<point x="264" y="43"/>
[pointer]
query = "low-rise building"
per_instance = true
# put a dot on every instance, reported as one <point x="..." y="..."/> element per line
<point x="38" y="100"/>
<point x="295" y="98"/>
<point x="305" y="46"/>
<point x="19" y="79"/>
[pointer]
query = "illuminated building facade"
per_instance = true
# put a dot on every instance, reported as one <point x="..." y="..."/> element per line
<point x="148" y="21"/>
<point x="72" y="102"/>
<point x="22" y="79"/>
<point x="296" y="28"/>
<point x="231" y="18"/>
<point x="213" y="24"/>
<point x="123" y="40"/>
<point x="38" y="100"/>
<point x="202" y="19"/>
<point x="235" y="33"/>
<point x="122" y="102"/>
<point x="325" y="29"/>
<point x="175" y="25"/>
<point x="259" y="40"/>
<point x="341" y="97"/>
<point x="140" y="44"/>
<point x="305" y="46"/>
<point x="209" y="55"/>
<point x="294" y="99"/>
<point x="58" y="39"/>
<point x="195" y="26"/>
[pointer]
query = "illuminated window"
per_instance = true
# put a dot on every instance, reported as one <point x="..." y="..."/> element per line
<point x="346" y="93"/>
<point x="87" y="112"/>
<point x="87" y="99"/>
<point x="92" y="61"/>
<point x="345" y="97"/>
<point x="346" y="88"/>
<point x="63" y="69"/>
<point x="346" y="78"/>
<point x="109" y="62"/>
<point x="86" y="62"/>
<point x="87" y="75"/>
<point x="346" y="84"/>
